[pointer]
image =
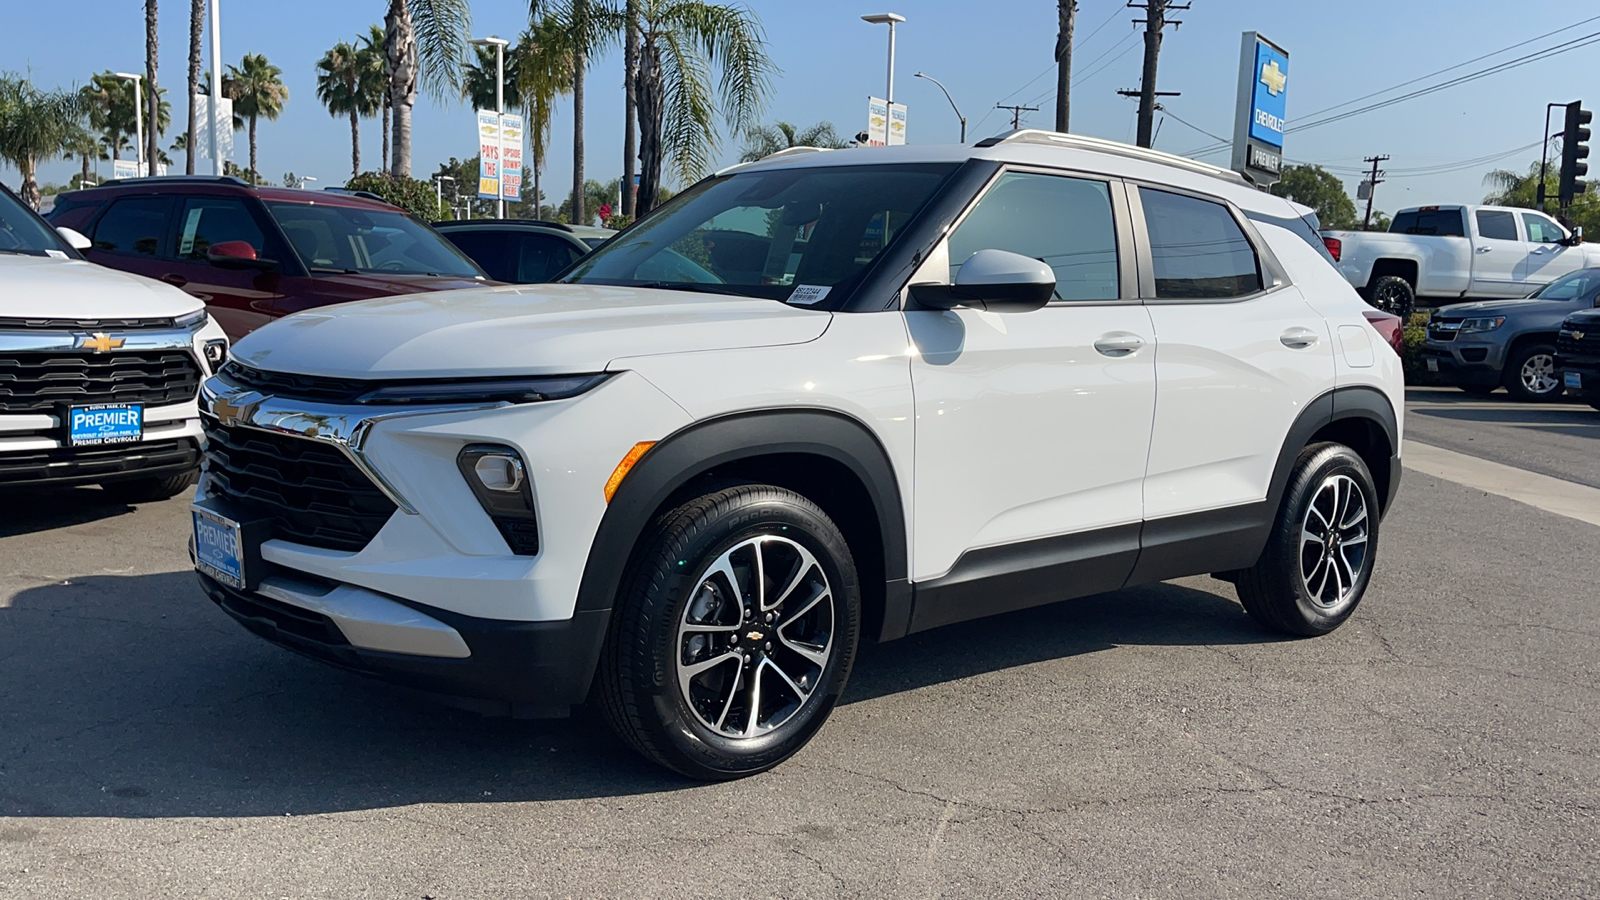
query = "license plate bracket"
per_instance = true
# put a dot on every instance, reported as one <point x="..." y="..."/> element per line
<point x="101" y="424"/>
<point x="227" y="548"/>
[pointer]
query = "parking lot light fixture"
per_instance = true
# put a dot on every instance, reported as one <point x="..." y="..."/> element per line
<point x="499" y="45"/>
<point x="889" y="19"/>
<point x="138" y="118"/>
<point x="952" y="103"/>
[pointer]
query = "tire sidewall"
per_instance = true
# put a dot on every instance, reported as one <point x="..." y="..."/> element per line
<point x="1513" y="377"/>
<point x="1407" y="301"/>
<point x="1320" y="465"/>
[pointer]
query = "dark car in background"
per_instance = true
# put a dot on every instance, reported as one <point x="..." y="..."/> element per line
<point x="254" y="254"/>
<point x="523" y="251"/>
<point x="1578" y="355"/>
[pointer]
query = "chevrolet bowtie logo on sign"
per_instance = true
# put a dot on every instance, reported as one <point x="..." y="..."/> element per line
<point x="100" y="343"/>
<point x="1274" y="78"/>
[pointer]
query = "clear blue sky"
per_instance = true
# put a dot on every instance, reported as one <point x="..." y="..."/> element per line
<point x="984" y="52"/>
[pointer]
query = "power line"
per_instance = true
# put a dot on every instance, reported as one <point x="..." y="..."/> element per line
<point x="1016" y="113"/>
<point x="1080" y="79"/>
<point x="1155" y="22"/>
<point x="1048" y="69"/>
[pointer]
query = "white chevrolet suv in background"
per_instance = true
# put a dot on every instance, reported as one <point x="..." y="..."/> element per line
<point x="818" y="398"/>
<point x="99" y="369"/>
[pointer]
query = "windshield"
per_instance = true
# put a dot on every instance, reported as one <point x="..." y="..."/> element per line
<point x="1580" y="285"/>
<point x="788" y="234"/>
<point x="22" y="232"/>
<point x="346" y="239"/>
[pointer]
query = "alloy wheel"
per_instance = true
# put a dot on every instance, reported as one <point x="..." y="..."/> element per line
<point x="755" y="636"/>
<point x="1333" y="542"/>
<point x="1538" y="374"/>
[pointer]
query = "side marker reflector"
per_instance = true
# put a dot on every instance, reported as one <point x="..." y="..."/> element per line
<point x="622" y="469"/>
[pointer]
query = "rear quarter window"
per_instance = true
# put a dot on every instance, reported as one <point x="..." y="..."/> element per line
<point x="1305" y="229"/>
<point x="1436" y="222"/>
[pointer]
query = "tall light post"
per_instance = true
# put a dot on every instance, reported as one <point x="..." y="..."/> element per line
<point x="303" y="179"/>
<point x="438" y="190"/>
<point x="952" y="103"/>
<point x="138" y="118"/>
<point x="215" y="103"/>
<point x="499" y="45"/>
<point x="888" y="19"/>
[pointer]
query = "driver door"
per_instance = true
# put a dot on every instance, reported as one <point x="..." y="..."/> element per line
<point x="1547" y="259"/>
<point x="241" y="300"/>
<point x="1032" y="428"/>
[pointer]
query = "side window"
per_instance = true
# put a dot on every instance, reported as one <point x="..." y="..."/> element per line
<point x="540" y="257"/>
<point x="207" y="221"/>
<point x="1542" y="230"/>
<point x="488" y="250"/>
<point x="1197" y="249"/>
<point x="1434" y="221"/>
<point x="135" y="226"/>
<point x="1064" y="222"/>
<point x="1497" y="225"/>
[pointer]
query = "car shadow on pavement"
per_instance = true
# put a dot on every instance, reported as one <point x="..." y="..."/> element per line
<point x="134" y="696"/>
<point x="1581" y="421"/>
<point x="27" y="511"/>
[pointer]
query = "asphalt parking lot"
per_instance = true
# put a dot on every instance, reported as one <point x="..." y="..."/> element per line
<point x="1153" y="743"/>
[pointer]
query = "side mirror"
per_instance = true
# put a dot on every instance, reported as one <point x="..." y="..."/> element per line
<point x="237" y="255"/>
<point x="994" y="281"/>
<point x="74" y="240"/>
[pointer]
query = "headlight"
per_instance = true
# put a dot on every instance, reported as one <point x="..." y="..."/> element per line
<point x="192" y="320"/>
<point x="1489" y="323"/>
<point x="488" y="390"/>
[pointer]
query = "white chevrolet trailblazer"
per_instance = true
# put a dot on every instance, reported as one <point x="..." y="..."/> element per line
<point x="99" y="369"/>
<point x="814" y="399"/>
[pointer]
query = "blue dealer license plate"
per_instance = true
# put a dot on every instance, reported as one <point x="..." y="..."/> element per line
<point x="105" y="423"/>
<point x="1573" y="380"/>
<point x="218" y="549"/>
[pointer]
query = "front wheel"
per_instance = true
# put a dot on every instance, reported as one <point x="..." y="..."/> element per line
<point x="1394" y="295"/>
<point x="735" y="634"/>
<point x="1319" y="557"/>
<point x="1531" y="374"/>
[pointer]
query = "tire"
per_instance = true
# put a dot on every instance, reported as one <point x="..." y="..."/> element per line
<point x="1531" y="375"/>
<point x="695" y="717"/>
<point x="1393" y="295"/>
<point x="1479" y="390"/>
<point x="1299" y="586"/>
<point x="148" y="490"/>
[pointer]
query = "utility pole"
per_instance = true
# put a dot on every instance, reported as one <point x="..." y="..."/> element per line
<point x="1067" y="11"/>
<point x="1154" y="21"/>
<point x="1372" y="187"/>
<point x="1016" y="113"/>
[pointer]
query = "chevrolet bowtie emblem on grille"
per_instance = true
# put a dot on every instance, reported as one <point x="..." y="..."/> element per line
<point x="100" y="342"/>
<point x="1577" y="335"/>
<point x="1274" y="78"/>
<point x="237" y="409"/>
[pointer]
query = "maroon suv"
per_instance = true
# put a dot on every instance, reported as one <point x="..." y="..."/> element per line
<point x="256" y="253"/>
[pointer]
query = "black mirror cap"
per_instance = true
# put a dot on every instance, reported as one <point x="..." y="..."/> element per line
<point x="1024" y="297"/>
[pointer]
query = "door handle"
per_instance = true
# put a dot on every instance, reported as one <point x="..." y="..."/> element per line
<point x="1484" y="249"/>
<point x="1298" y="338"/>
<point x="175" y="279"/>
<point x="1118" y="343"/>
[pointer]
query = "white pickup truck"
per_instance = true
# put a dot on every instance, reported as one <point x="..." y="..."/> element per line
<point x="1441" y="254"/>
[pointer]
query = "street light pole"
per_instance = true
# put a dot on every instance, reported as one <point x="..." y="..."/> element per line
<point x="216" y="90"/>
<point x="138" y="120"/>
<point x="952" y="103"/>
<point x="499" y="45"/>
<point x="438" y="185"/>
<point x="305" y="178"/>
<point x="888" y="19"/>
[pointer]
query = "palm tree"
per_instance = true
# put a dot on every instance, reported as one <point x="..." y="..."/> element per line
<point x="681" y="42"/>
<point x="83" y="144"/>
<point x="197" y="18"/>
<point x="424" y="42"/>
<point x="1512" y="188"/>
<point x="36" y="126"/>
<point x="590" y="27"/>
<point x="630" y="100"/>
<point x="109" y="103"/>
<point x="375" y="67"/>
<point x="478" y="78"/>
<point x="765" y="140"/>
<point x="152" y="98"/>
<point x="257" y="89"/>
<point x="544" y="72"/>
<point x="345" y="88"/>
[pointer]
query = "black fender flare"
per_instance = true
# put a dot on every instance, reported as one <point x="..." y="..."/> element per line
<point x="707" y="444"/>
<point x="1352" y="402"/>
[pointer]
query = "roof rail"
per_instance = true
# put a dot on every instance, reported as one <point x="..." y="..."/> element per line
<point x="1078" y="141"/>
<point x="559" y="226"/>
<point x="179" y="179"/>
<point x="367" y="195"/>
<point x="793" y="151"/>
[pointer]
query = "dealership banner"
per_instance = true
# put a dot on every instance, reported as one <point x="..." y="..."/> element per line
<point x="488" y="154"/>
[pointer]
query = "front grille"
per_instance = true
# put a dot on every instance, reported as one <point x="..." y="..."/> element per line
<point x="310" y="491"/>
<point x="296" y="387"/>
<point x="47" y="324"/>
<point x="40" y="381"/>
<point x="79" y="464"/>
<point x="1435" y="332"/>
<point x="1568" y="345"/>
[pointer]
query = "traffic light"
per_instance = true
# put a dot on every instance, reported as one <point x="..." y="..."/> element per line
<point x="1574" y="150"/>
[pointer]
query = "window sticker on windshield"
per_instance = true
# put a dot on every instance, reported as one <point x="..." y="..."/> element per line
<point x="56" y="254"/>
<point x="807" y="294"/>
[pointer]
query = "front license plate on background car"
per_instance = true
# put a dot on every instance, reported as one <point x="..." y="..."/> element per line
<point x="1433" y="365"/>
<point x="1573" y="380"/>
<point x="218" y="548"/>
<point x="105" y="423"/>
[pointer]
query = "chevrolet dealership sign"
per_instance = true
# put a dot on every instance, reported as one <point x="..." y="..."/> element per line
<point x="1261" y="118"/>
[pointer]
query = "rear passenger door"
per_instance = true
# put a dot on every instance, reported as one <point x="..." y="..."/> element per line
<point x="1499" y="255"/>
<point x="133" y="234"/>
<point x="1239" y="354"/>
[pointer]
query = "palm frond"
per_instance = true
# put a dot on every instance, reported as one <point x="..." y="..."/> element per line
<point x="442" y="27"/>
<point x="689" y="133"/>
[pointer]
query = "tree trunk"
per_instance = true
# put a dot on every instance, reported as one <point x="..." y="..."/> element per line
<point x="538" y="198"/>
<point x="30" y="187"/>
<point x="579" y="60"/>
<point x="400" y="51"/>
<point x="1067" y="11"/>
<point x="254" y="172"/>
<point x="630" y="64"/>
<point x="386" y="127"/>
<point x="197" y="18"/>
<point x="82" y="182"/>
<point x="152" y="97"/>
<point x="652" y="107"/>
<point x="355" y="142"/>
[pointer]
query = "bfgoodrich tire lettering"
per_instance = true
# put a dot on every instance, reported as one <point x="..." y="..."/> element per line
<point x="734" y="635"/>
<point x="1319" y="557"/>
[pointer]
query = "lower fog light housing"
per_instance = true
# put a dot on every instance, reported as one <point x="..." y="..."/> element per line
<point x="216" y="352"/>
<point x="498" y="477"/>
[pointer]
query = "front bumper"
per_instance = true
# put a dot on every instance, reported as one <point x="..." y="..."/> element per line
<point x="33" y="453"/>
<point x="1464" y="361"/>
<point x="1587" y="371"/>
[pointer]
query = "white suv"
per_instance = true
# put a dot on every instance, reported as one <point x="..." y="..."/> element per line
<point x="816" y="398"/>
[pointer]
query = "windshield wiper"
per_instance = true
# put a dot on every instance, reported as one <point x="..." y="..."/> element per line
<point x="329" y="270"/>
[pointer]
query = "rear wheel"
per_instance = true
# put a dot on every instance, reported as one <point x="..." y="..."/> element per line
<point x="1319" y="557"/>
<point x="736" y="634"/>
<point x="1531" y="374"/>
<point x="148" y="490"/>
<point x="1394" y="295"/>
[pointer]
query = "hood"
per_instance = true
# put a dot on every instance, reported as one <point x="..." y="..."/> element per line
<point x="518" y="330"/>
<point x="1586" y="317"/>
<point x="46" y="287"/>
<point x="378" y="284"/>
<point x="1503" y="307"/>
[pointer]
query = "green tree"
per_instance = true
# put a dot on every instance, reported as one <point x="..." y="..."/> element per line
<point x="544" y="73"/>
<point x="1321" y="190"/>
<point x="425" y="42"/>
<point x="682" y="43"/>
<point x="1508" y="187"/>
<point x="414" y="196"/>
<point x="764" y="140"/>
<point x="346" y="86"/>
<point x="590" y="26"/>
<point x="375" y="66"/>
<point x="258" y="92"/>
<point x="111" y="109"/>
<point x="35" y="126"/>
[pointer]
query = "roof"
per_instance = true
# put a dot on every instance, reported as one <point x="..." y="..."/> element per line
<point x="530" y="224"/>
<point x="227" y="184"/>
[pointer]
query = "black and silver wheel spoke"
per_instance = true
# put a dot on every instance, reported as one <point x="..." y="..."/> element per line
<point x="1333" y="542"/>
